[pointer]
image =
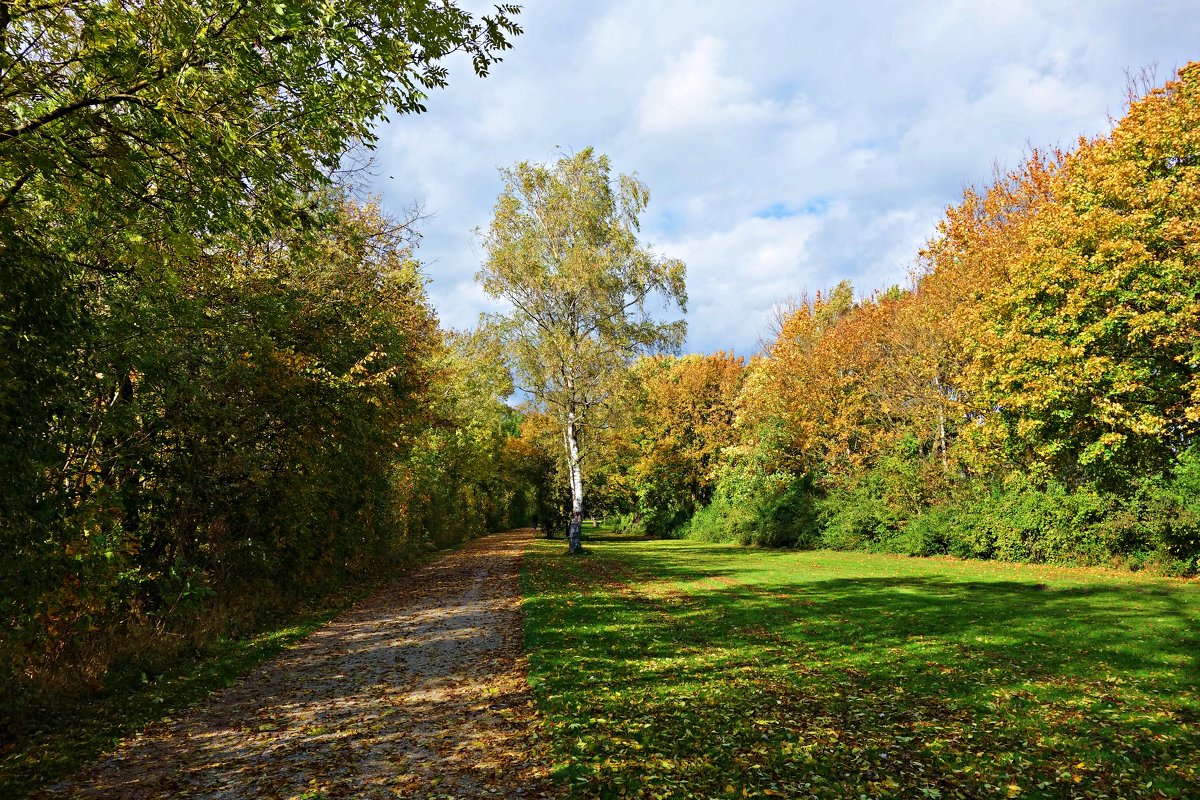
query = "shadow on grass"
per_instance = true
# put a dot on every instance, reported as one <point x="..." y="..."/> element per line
<point x="419" y="672"/>
<point x="62" y="740"/>
<point x="980" y="682"/>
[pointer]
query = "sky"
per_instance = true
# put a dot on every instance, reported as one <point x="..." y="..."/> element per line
<point x="787" y="145"/>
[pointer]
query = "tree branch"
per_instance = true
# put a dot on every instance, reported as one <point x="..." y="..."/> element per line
<point x="70" y="108"/>
<point x="13" y="190"/>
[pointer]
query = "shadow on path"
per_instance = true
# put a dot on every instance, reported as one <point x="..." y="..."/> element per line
<point x="419" y="691"/>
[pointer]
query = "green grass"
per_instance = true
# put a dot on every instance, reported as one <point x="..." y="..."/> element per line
<point x="681" y="669"/>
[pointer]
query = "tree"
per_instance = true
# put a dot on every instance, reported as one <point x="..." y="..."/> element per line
<point x="192" y="109"/>
<point x="682" y="417"/>
<point x="787" y="404"/>
<point x="563" y="251"/>
<point x="1088" y="358"/>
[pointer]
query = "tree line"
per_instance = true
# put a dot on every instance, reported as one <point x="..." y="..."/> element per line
<point x="223" y="390"/>
<point x="1033" y="395"/>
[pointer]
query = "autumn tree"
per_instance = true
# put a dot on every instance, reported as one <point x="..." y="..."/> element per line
<point x="779" y="408"/>
<point x="949" y="321"/>
<point x="1087" y="357"/>
<point x="682" y="417"/>
<point x="563" y="251"/>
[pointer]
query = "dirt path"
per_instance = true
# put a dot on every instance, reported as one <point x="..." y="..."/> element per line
<point x="418" y="692"/>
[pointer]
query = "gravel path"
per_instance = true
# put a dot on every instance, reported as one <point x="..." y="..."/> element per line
<point x="419" y="691"/>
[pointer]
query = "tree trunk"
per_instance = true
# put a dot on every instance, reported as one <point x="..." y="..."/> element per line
<point x="941" y="419"/>
<point x="575" y="529"/>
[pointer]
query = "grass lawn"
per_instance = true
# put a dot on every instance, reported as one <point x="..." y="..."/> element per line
<point x="681" y="669"/>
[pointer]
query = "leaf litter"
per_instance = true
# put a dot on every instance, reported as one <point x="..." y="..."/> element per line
<point x="419" y="691"/>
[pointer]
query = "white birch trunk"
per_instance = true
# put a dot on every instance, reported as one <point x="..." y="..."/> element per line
<point x="941" y="419"/>
<point x="575" y="529"/>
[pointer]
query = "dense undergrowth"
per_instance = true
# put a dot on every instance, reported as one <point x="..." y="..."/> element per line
<point x="1155" y="525"/>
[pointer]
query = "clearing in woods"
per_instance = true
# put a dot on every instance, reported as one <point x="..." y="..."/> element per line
<point x="685" y="669"/>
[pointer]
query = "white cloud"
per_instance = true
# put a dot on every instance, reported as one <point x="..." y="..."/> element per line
<point x="735" y="275"/>
<point x="691" y="92"/>
<point x="786" y="146"/>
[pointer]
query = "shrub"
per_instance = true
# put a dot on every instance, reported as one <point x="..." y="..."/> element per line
<point x="856" y="520"/>
<point x="757" y="509"/>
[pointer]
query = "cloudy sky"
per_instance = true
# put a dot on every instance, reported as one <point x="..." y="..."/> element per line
<point x="786" y="145"/>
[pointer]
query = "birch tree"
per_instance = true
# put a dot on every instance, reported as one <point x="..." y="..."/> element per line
<point x="563" y="251"/>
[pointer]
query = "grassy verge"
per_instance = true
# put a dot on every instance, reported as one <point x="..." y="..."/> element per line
<point x="681" y="669"/>
<point x="78" y="731"/>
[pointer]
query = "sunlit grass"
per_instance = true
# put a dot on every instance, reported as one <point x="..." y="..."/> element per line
<point x="675" y="669"/>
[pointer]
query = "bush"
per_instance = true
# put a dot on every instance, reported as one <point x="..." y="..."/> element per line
<point x="720" y="521"/>
<point x="663" y="521"/>
<point x="1155" y="526"/>
<point x="930" y="533"/>
<point x="1159" y="527"/>
<point x="758" y="510"/>
<point x="856" y="520"/>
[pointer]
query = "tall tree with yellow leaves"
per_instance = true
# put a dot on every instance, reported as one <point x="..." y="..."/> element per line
<point x="1087" y="358"/>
